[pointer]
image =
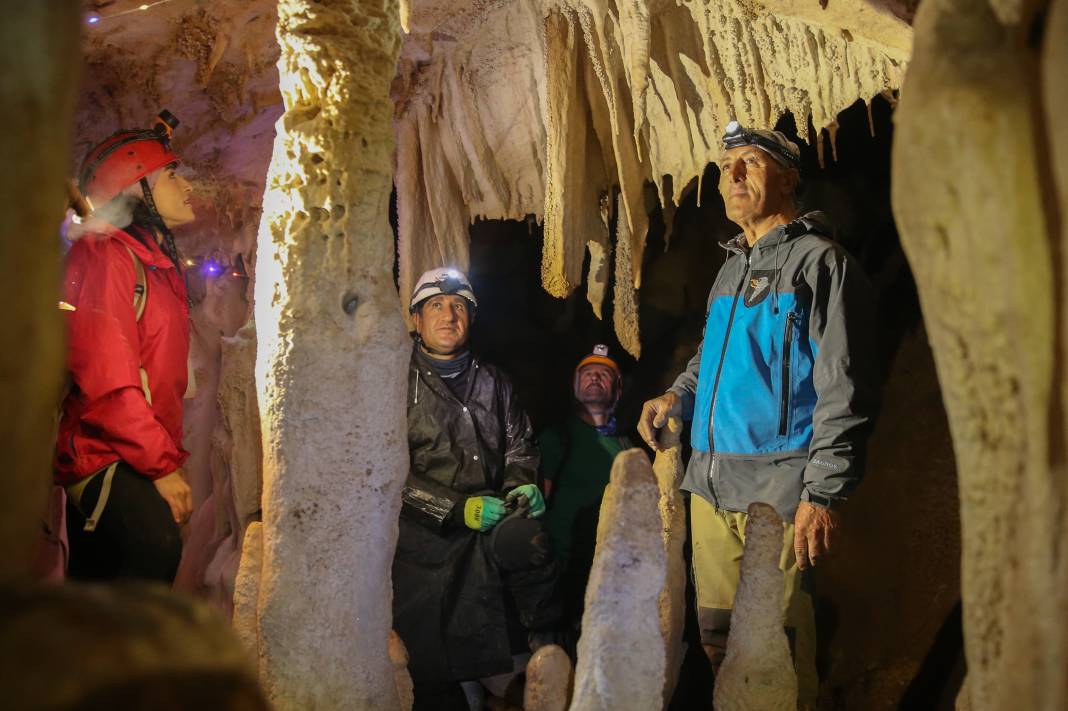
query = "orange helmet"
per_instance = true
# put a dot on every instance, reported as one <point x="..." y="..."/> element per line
<point x="600" y="357"/>
<point x="124" y="158"/>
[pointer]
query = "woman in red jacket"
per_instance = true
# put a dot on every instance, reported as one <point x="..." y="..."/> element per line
<point x="119" y="448"/>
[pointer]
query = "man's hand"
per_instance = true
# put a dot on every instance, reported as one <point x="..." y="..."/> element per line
<point x="481" y="513"/>
<point x="815" y="528"/>
<point x="655" y="414"/>
<point x="534" y="498"/>
<point x="177" y="494"/>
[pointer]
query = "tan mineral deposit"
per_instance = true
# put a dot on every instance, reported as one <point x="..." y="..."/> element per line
<point x="622" y="666"/>
<point x="758" y="672"/>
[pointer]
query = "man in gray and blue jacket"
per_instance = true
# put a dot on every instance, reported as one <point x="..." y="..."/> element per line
<point x="781" y="393"/>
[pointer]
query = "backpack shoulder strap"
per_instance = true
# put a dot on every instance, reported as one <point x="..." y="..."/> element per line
<point x="140" y="285"/>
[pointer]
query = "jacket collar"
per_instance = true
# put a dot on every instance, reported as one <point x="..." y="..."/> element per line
<point x="146" y="249"/>
<point x="423" y="370"/>
<point x="814" y="222"/>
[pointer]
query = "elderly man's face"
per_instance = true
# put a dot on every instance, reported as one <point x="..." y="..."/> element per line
<point x="596" y="386"/>
<point x="443" y="322"/>
<point x="754" y="185"/>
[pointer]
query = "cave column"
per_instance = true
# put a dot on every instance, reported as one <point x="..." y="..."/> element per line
<point x="39" y="50"/>
<point x="972" y="198"/>
<point x="331" y="363"/>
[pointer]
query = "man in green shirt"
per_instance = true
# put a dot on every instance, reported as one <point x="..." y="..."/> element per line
<point x="576" y="461"/>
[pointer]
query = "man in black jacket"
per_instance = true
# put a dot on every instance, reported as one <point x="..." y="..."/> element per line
<point x="471" y="551"/>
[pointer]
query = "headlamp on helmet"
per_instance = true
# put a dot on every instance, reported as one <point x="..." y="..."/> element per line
<point x="600" y="356"/>
<point x="435" y="282"/>
<point x="738" y="136"/>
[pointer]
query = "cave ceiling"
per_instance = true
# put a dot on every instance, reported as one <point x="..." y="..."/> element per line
<point x="582" y="114"/>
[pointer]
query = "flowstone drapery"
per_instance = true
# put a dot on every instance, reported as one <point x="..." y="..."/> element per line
<point x="973" y="195"/>
<point x="329" y="368"/>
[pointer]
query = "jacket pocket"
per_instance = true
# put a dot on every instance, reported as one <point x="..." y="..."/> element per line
<point x="786" y="383"/>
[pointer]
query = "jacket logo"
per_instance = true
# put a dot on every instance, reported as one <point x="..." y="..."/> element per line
<point x="759" y="286"/>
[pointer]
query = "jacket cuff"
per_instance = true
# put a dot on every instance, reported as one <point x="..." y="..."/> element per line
<point x="826" y="502"/>
<point x="167" y="464"/>
<point x="686" y="399"/>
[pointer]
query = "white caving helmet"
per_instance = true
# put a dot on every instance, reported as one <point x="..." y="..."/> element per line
<point x="443" y="280"/>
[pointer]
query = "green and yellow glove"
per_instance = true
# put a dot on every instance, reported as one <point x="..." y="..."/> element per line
<point x="481" y="513"/>
<point x="534" y="498"/>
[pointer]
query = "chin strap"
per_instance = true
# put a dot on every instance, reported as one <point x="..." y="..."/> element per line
<point x="168" y="246"/>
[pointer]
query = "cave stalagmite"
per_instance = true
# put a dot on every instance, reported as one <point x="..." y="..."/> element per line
<point x="564" y="154"/>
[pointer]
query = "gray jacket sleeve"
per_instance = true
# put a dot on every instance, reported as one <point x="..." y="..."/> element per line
<point x="685" y="386"/>
<point x="845" y="375"/>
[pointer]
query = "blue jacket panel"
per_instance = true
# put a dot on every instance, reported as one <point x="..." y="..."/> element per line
<point x="783" y="389"/>
<point x="765" y="395"/>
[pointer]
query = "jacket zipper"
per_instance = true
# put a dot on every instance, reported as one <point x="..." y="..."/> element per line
<point x="715" y="382"/>
<point x="784" y="399"/>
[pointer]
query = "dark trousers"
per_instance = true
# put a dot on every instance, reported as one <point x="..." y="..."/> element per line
<point x="464" y="601"/>
<point x="135" y="538"/>
<point x="522" y="552"/>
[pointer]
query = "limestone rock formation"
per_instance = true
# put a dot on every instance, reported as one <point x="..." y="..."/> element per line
<point x="621" y="661"/>
<point x="330" y="363"/>
<point x="971" y="191"/>
<point x="669" y="470"/>
<point x="611" y="93"/>
<point x="894" y="577"/>
<point x="247" y="589"/>
<point x="549" y="678"/>
<point x="223" y="438"/>
<point x="120" y="647"/>
<point x="398" y="657"/>
<point x="39" y="54"/>
<point x="758" y="672"/>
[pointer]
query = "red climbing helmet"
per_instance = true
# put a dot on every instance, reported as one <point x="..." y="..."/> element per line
<point x="125" y="157"/>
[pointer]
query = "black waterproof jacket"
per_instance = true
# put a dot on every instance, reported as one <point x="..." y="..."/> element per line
<point x="448" y="603"/>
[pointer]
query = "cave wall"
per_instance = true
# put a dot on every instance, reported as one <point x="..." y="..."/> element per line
<point x="976" y="196"/>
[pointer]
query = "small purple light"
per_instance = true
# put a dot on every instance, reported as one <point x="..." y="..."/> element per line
<point x="92" y="18"/>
